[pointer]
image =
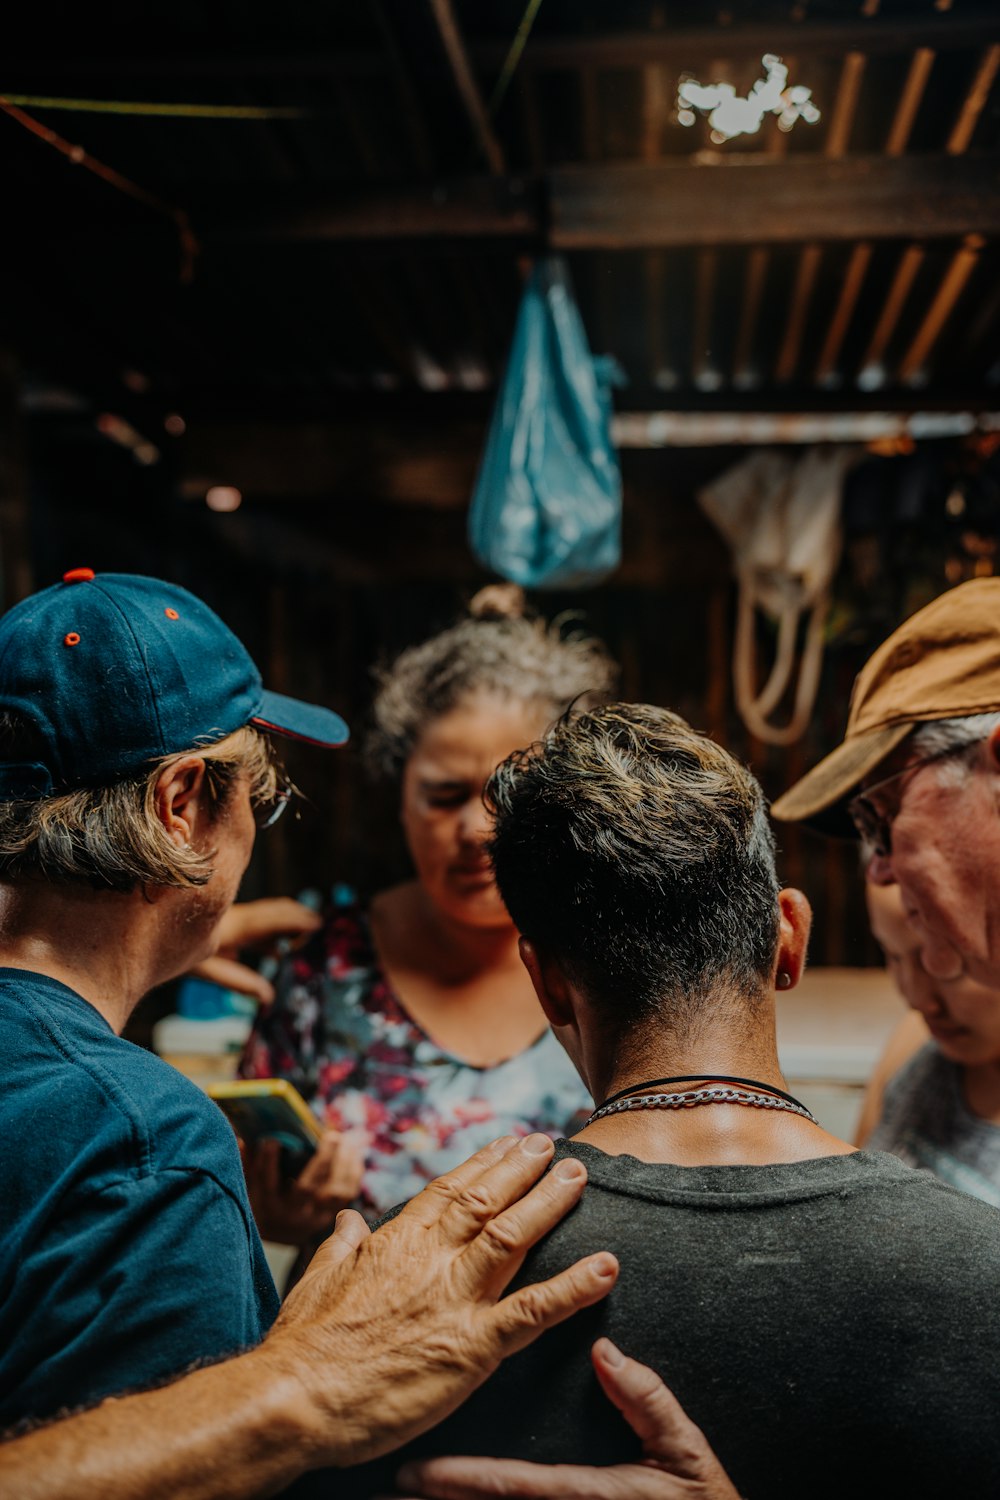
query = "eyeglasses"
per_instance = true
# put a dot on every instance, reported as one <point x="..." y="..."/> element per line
<point x="266" y="814"/>
<point x="874" y="827"/>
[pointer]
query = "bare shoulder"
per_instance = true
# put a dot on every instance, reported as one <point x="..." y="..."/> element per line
<point x="909" y="1036"/>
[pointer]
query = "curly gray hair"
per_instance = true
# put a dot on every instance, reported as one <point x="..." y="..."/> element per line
<point x="494" y="650"/>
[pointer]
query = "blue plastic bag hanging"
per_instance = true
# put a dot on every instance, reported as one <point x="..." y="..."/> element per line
<point x="547" y="506"/>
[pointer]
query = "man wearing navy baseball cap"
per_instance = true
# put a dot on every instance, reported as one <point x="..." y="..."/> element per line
<point x="134" y="764"/>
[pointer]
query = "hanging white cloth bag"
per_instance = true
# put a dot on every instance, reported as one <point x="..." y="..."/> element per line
<point x="780" y="516"/>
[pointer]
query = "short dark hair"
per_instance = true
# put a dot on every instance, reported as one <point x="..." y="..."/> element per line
<point x="638" y="853"/>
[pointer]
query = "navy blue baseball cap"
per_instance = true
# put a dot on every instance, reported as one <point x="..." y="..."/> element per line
<point x="114" y="671"/>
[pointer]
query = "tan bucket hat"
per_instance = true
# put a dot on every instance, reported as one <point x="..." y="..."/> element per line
<point x="942" y="663"/>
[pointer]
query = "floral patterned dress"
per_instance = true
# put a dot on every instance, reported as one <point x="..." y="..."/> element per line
<point x="340" y="1034"/>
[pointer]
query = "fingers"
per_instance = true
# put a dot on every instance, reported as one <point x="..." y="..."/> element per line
<point x="332" y="1174"/>
<point x="490" y="1478"/>
<point x="319" y="1169"/>
<point x="343" y="1244"/>
<point x="427" y="1207"/>
<point x="475" y="1203"/>
<point x="280" y="916"/>
<point x="518" y="1319"/>
<point x="669" y="1438"/>
<point x="310" y="1302"/>
<point x="236" y="976"/>
<point x="651" y="1410"/>
<point x="248" y="924"/>
<point x="267" y="1168"/>
<point x="506" y="1237"/>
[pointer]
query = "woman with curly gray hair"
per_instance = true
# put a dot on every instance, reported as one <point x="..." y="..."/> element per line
<point x="412" y="1024"/>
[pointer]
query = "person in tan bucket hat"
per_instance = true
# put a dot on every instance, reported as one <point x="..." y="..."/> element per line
<point x="917" y="777"/>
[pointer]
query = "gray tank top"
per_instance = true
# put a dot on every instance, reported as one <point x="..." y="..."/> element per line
<point x="926" y="1123"/>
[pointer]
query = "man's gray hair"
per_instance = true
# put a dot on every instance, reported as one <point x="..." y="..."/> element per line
<point x="111" y="837"/>
<point x="939" y="737"/>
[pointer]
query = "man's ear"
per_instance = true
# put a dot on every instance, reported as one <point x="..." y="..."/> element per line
<point x="179" y="799"/>
<point x="793" y="938"/>
<point x="993" y="747"/>
<point x="550" y="984"/>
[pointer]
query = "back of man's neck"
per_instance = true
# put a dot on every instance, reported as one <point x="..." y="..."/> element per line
<point x="89" y="941"/>
<point x="713" y="1134"/>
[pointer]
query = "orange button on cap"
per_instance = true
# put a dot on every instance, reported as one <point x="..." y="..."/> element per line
<point x="78" y="575"/>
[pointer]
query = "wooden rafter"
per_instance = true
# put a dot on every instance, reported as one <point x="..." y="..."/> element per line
<point x="656" y="105"/>
<point x="468" y="88"/>
<point x="960" y="268"/>
<point x="703" y="371"/>
<point x="798" y="311"/>
<point x="850" y="290"/>
<point x="837" y="137"/>
<point x="964" y="261"/>
<point x="905" y="274"/>
<point x="653" y="274"/>
<point x="974" y="102"/>
<point x="845" y="105"/>
<point x="980" y="323"/>
<point x="909" y="102"/>
<point x="744" y="373"/>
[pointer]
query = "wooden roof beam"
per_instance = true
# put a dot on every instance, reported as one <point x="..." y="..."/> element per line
<point x="757" y="200"/>
<point x="472" y="208"/>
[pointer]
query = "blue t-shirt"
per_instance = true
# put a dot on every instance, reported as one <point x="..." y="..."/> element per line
<point x="128" y="1250"/>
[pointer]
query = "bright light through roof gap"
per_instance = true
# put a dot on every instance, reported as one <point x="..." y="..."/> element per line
<point x="731" y="114"/>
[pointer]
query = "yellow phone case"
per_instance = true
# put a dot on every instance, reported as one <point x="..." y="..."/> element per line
<point x="261" y="1107"/>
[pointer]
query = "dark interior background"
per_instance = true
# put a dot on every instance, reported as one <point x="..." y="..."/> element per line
<point x="315" y="306"/>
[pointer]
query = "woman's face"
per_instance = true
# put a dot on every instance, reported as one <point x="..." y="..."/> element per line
<point x="962" y="1015"/>
<point x="442" y="807"/>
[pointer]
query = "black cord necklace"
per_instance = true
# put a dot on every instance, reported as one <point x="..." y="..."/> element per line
<point x="657" y="1083"/>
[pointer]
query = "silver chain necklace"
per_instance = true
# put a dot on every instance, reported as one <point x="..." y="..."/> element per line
<point x="693" y="1097"/>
